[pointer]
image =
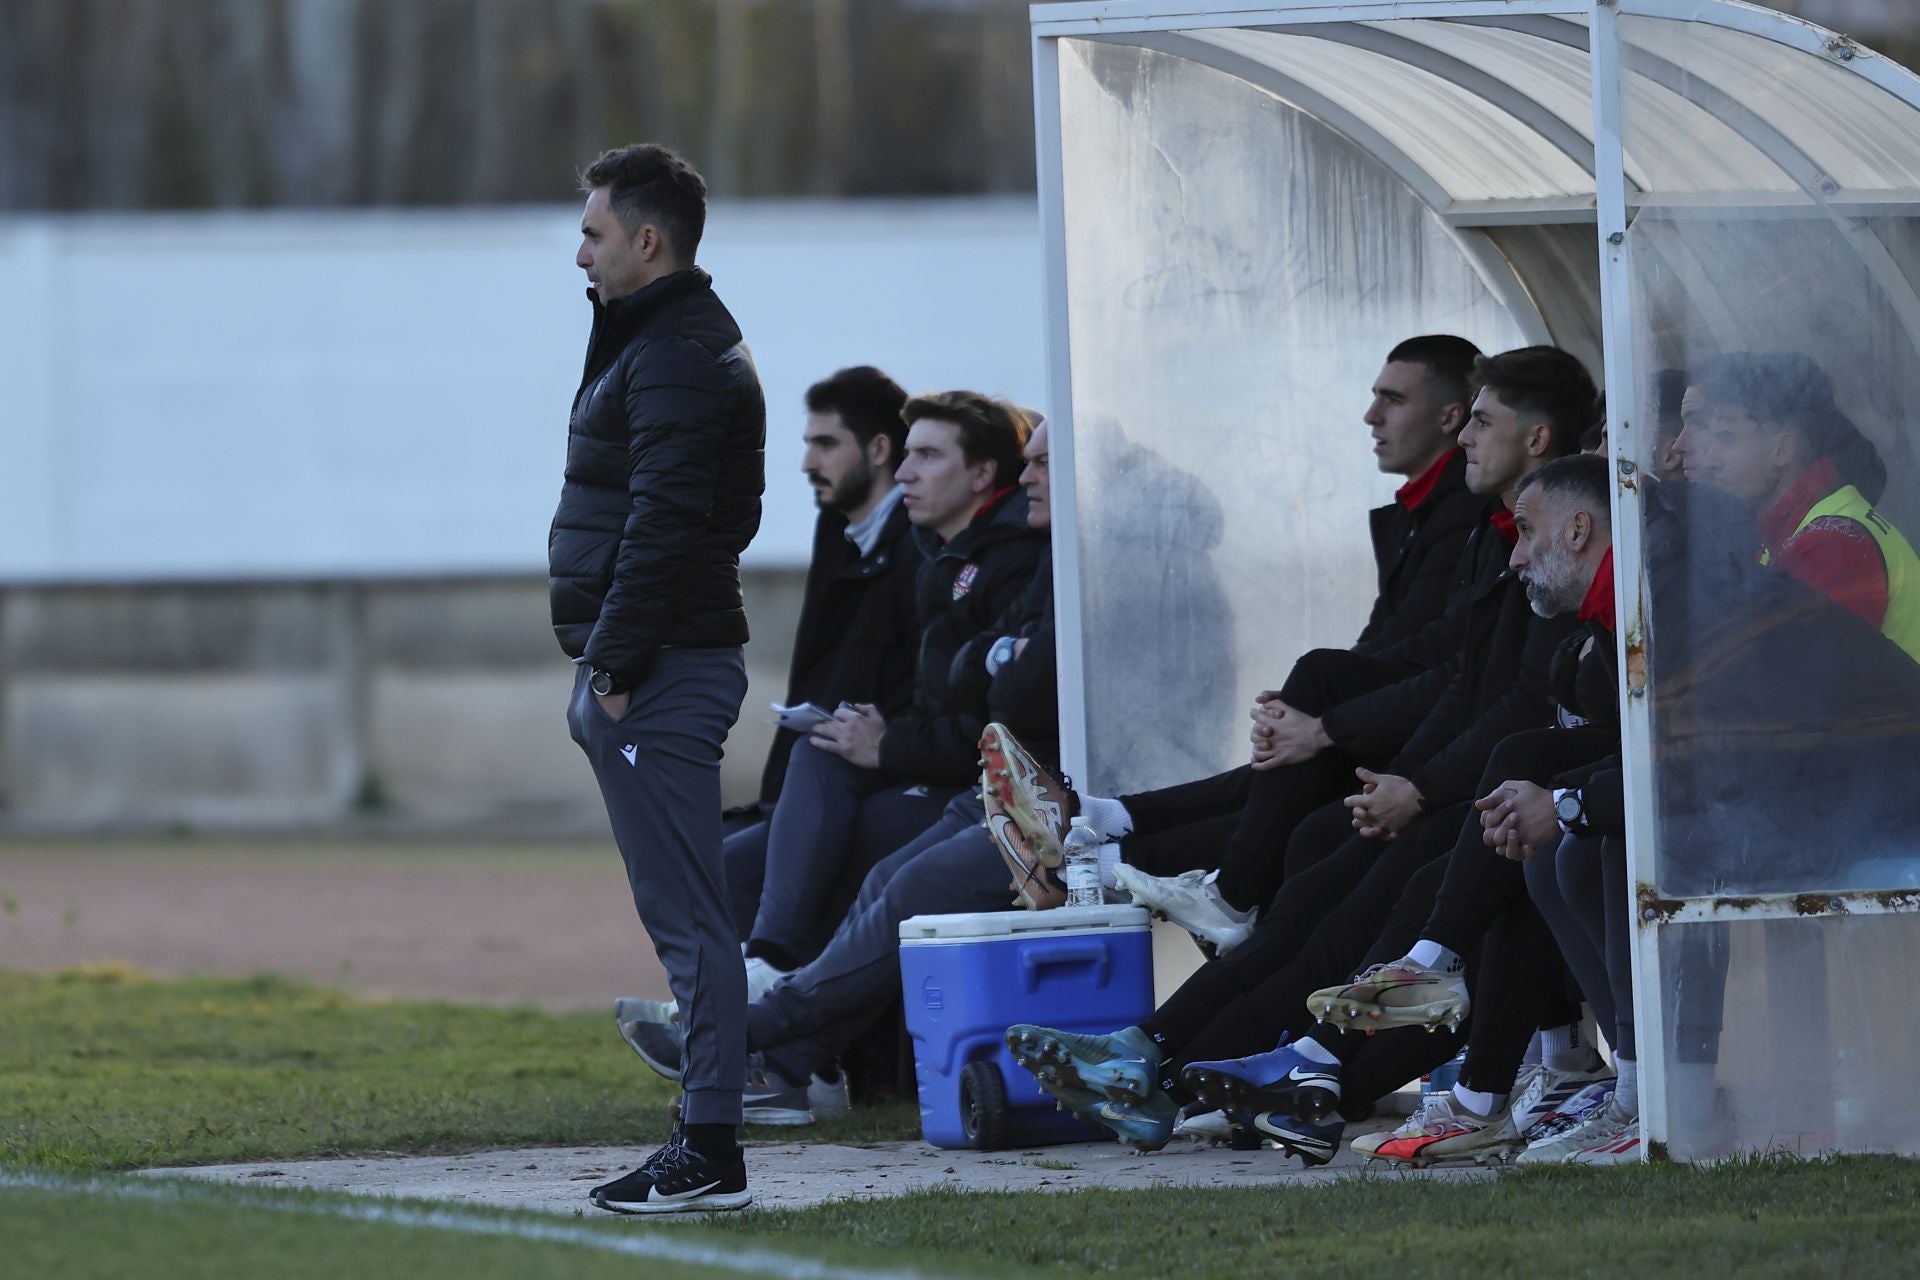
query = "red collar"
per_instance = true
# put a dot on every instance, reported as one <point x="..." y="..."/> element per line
<point x="1502" y="519"/>
<point x="1415" y="491"/>
<point x="1598" y="606"/>
<point x="992" y="498"/>
<point x="1782" y="520"/>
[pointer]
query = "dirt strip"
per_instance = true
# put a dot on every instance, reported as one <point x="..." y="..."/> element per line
<point x="550" y="925"/>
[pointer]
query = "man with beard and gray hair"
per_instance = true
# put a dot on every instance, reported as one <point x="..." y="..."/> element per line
<point x="1466" y="916"/>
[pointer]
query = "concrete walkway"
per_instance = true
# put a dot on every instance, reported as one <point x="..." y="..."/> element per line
<point x="795" y="1176"/>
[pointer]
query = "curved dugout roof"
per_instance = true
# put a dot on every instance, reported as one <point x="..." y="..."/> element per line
<point x="1488" y="116"/>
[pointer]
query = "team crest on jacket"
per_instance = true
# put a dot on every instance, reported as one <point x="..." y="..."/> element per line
<point x="963" y="581"/>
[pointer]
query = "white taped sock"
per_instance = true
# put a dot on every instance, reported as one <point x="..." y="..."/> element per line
<point x="1109" y="855"/>
<point x="1563" y="1049"/>
<point x="1431" y="955"/>
<point x="1626" y="1092"/>
<point x="1108" y="817"/>
<point x="1480" y="1103"/>
<point x="1313" y="1051"/>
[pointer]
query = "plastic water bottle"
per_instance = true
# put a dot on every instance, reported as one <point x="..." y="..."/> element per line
<point x="1082" y="869"/>
<point x="1443" y="1077"/>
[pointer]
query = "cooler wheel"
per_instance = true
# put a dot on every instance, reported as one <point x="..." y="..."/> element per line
<point x="983" y="1106"/>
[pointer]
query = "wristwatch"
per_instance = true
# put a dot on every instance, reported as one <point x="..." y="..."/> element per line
<point x="1571" y="811"/>
<point x="1000" y="654"/>
<point x="601" y="682"/>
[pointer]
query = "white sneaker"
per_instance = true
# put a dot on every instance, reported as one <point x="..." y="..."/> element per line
<point x="1621" y="1146"/>
<point x="828" y="1098"/>
<point x="762" y="977"/>
<point x="1574" y="1128"/>
<point x="1192" y="901"/>
<point x="1540" y="1092"/>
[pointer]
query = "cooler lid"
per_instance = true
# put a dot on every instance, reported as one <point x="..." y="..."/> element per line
<point x="1004" y="924"/>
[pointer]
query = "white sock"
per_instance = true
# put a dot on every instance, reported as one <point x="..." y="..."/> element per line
<point x="1212" y="881"/>
<point x="1109" y="855"/>
<point x="1313" y="1051"/>
<point x="1561" y="1049"/>
<point x="1481" y="1104"/>
<point x="1626" y="1093"/>
<point x="1108" y="817"/>
<point x="1431" y="955"/>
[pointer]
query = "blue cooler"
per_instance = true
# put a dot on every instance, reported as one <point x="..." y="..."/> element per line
<point x="966" y="978"/>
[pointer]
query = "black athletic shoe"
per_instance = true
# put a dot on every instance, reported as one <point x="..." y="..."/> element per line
<point x="678" y="1179"/>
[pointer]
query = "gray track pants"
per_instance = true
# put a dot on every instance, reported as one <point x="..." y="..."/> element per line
<point x="951" y="867"/>
<point x="659" y="771"/>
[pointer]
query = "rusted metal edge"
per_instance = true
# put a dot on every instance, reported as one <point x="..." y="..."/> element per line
<point x="1655" y="910"/>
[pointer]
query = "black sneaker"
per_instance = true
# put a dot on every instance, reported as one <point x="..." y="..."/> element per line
<point x="678" y="1179"/>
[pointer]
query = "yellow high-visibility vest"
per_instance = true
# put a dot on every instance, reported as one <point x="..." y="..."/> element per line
<point x="1902" y="622"/>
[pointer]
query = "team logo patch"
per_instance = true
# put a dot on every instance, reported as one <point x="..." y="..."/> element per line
<point x="963" y="581"/>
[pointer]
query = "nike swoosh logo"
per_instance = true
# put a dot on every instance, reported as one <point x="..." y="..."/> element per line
<point x="654" y="1196"/>
<point x="998" y="823"/>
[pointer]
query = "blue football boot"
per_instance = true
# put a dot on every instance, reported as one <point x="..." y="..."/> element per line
<point x="1315" y="1144"/>
<point x="1280" y="1080"/>
<point x="1122" y="1066"/>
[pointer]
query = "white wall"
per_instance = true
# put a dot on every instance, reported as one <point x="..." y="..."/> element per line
<point x="368" y="394"/>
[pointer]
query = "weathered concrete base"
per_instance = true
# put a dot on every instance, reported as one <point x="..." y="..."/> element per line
<point x="793" y="1176"/>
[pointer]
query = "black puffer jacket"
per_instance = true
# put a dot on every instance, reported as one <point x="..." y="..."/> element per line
<point x="1495" y="685"/>
<point x="663" y="481"/>
<point x="966" y="585"/>
<point x="1416" y="554"/>
<point x="859" y="632"/>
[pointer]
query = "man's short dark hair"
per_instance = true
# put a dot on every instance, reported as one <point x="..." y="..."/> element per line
<point x="646" y="183"/>
<point x="1793" y="391"/>
<point x="1597" y="429"/>
<point x="1544" y="383"/>
<point x="868" y="403"/>
<point x="1586" y="478"/>
<point x="1449" y="362"/>
<point x="990" y="430"/>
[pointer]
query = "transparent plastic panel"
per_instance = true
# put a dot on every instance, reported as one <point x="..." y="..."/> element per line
<point x="1856" y="137"/>
<point x="1472" y="148"/>
<point x="1791" y="1035"/>
<point x="1777" y="344"/>
<point x="1560" y="265"/>
<point x="1236" y="275"/>
<point x="1783" y="610"/>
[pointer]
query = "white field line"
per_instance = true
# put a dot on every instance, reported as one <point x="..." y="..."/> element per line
<point x="750" y="1261"/>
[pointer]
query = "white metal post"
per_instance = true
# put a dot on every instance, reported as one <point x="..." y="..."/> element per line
<point x="1630" y="454"/>
<point x="1050" y="179"/>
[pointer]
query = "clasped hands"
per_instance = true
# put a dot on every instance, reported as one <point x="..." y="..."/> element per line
<point x="1517" y="820"/>
<point x="853" y="734"/>
<point x="1282" y="734"/>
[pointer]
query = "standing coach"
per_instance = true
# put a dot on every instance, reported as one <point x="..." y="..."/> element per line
<point x="662" y="494"/>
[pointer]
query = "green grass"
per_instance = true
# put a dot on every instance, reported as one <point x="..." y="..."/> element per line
<point x="104" y="1070"/>
<point x="130" y="1229"/>
<point x="1851" y="1217"/>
